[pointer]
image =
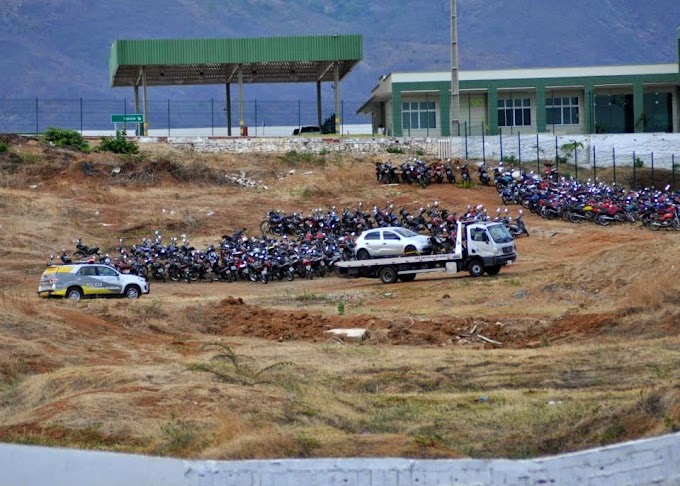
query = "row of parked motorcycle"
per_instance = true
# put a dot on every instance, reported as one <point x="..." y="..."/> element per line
<point x="307" y="249"/>
<point x="596" y="202"/>
<point x="432" y="218"/>
<point x="417" y="171"/>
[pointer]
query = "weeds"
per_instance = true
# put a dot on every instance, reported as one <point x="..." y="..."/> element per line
<point x="293" y="157"/>
<point x="392" y="149"/>
<point x="233" y="368"/>
<point x="181" y="438"/>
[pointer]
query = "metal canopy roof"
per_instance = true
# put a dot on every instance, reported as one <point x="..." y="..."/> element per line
<point x="169" y="62"/>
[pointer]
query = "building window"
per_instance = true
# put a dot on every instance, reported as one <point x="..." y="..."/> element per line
<point x="514" y="112"/>
<point x="418" y="115"/>
<point x="562" y="111"/>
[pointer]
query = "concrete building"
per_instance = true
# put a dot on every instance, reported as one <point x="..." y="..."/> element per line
<point x="563" y="101"/>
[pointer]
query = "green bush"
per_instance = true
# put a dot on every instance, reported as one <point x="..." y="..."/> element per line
<point x="638" y="163"/>
<point x="394" y="150"/>
<point x="61" y="137"/>
<point x="3" y="147"/>
<point x="118" y="144"/>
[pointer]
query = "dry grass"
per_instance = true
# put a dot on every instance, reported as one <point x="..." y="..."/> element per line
<point x="587" y="318"/>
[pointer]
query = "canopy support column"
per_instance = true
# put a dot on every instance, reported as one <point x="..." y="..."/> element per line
<point x="228" y="108"/>
<point x="241" y="124"/>
<point x="145" y="126"/>
<point x="336" y="86"/>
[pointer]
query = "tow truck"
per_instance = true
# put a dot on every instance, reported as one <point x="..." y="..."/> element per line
<point x="481" y="247"/>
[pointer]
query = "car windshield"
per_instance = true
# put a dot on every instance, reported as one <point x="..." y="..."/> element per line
<point x="499" y="233"/>
<point x="405" y="233"/>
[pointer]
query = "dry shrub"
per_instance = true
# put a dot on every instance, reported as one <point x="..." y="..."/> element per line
<point x="16" y="306"/>
<point x="652" y="294"/>
<point x="236" y="439"/>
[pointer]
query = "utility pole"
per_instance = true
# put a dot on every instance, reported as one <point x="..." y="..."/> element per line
<point x="455" y="95"/>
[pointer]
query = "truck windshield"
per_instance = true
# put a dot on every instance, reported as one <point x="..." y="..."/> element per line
<point x="499" y="233"/>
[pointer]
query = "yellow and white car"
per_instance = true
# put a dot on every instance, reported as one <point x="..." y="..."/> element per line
<point x="78" y="280"/>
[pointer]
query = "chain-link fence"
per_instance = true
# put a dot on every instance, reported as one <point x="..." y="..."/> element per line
<point x="173" y="117"/>
<point x="633" y="160"/>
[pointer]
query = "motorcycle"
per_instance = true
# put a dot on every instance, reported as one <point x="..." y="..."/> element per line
<point x="517" y="228"/>
<point x="483" y="174"/>
<point x="85" y="251"/>
<point x="465" y="175"/>
<point x="450" y="175"/>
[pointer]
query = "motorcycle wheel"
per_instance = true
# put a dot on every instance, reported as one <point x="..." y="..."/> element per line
<point x="654" y="226"/>
<point x="252" y="276"/>
<point x="264" y="226"/>
<point x="602" y="220"/>
<point x="575" y="218"/>
<point x="290" y="276"/>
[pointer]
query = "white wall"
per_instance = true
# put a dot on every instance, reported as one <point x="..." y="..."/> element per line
<point x="608" y="147"/>
<point x="652" y="461"/>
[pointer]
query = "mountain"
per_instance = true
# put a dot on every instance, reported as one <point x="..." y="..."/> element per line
<point x="60" y="48"/>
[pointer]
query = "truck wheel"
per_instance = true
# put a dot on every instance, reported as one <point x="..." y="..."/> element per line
<point x="409" y="277"/>
<point x="388" y="275"/>
<point x="493" y="270"/>
<point x="74" y="293"/>
<point x="476" y="268"/>
<point x="132" y="292"/>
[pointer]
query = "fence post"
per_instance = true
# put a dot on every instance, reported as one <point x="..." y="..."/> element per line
<point x="557" y="157"/>
<point x="519" y="151"/>
<point x="673" y="172"/>
<point x="212" y="117"/>
<point x="466" y="140"/>
<point x="81" y="116"/>
<point x="594" y="165"/>
<point x="500" y="140"/>
<point x="653" y="180"/>
<point x="36" y="116"/>
<point x="538" y="155"/>
<point x="300" y="119"/>
<point x="614" y="162"/>
<point x="576" y="161"/>
<point x="484" y="144"/>
<point x="124" y="113"/>
<point x="342" y="117"/>
<point x="168" y="117"/>
<point x="256" y="117"/>
<point x="634" y="179"/>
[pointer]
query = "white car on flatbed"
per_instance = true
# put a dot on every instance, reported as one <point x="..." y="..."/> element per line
<point x="78" y="280"/>
<point x="481" y="247"/>
<point x="390" y="241"/>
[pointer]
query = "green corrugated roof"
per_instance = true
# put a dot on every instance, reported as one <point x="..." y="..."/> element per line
<point x="215" y="61"/>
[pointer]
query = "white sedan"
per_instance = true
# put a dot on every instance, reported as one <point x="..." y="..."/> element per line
<point x="391" y="241"/>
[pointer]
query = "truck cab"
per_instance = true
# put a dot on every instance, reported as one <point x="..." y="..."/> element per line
<point x="487" y="247"/>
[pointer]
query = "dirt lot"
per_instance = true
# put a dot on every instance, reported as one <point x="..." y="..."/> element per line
<point x="587" y="319"/>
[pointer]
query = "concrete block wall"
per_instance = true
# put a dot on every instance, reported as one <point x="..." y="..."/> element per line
<point x="661" y="149"/>
<point x="315" y="145"/>
<point x="653" y="461"/>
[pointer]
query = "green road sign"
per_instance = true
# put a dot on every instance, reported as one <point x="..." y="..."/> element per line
<point x="134" y="118"/>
